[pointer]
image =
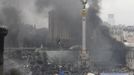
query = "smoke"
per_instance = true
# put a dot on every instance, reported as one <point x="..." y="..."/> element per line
<point x="10" y="16"/>
<point x="16" y="13"/>
<point x="26" y="10"/>
<point x="103" y="49"/>
<point x="40" y="4"/>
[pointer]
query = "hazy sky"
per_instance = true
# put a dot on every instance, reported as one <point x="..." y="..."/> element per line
<point x="122" y="9"/>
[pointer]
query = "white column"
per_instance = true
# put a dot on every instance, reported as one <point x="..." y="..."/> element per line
<point x="84" y="34"/>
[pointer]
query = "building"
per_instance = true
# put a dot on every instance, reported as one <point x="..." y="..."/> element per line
<point x="122" y="33"/>
<point x="125" y="34"/>
<point x="117" y="32"/>
<point x="130" y="59"/>
<point x="129" y="34"/>
<point x="57" y="28"/>
<point x="25" y="30"/>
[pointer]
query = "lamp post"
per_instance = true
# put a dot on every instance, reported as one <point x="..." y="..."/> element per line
<point x="3" y="33"/>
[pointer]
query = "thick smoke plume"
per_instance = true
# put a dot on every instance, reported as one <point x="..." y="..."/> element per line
<point x="18" y="15"/>
<point x="103" y="49"/>
<point x="15" y="15"/>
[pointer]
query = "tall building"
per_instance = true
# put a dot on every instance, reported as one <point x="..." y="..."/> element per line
<point x="57" y="28"/>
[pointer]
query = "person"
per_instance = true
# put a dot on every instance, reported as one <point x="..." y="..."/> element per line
<point x="61" y="72"/>
<point x="59" y="43"/>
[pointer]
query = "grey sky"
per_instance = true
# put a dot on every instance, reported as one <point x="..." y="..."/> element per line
<point x="122" y="9"/>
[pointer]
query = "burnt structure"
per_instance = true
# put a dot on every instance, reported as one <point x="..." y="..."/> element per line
<point x="3" y="33"/>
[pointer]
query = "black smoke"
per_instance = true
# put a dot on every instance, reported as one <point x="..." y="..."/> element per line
<point x="103" y="49"/>
<point x="12" y="20"/>
<point x="13" y="14"/>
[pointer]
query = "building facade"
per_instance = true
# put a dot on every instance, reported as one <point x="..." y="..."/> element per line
<point x="130" y="59"/>
<point x="57" y="29"/>
<point x="117" y="32"/>
<point x="125" y="34"/>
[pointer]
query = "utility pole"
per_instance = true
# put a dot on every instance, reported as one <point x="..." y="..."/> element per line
<point x="83" y="52"/>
